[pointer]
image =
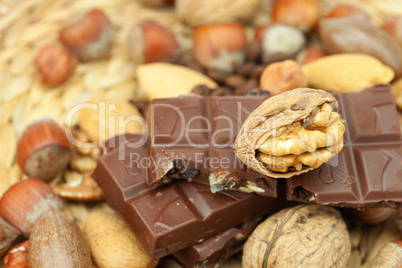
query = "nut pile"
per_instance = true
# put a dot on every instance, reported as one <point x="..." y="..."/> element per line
<point x="208" y="49"/>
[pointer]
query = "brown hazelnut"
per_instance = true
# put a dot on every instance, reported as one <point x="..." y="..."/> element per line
<point x="17" y="256"/>
<point x="302" y="14"/>
<point x="145" y="43"/>
<point x="373" y="215"/>
<point x="310" y="54"/>
<point x="55" y="65"/>
<point x="282" y="76"/>
<point x="43" y="150"/>
<point x="279" y="42"/>
<point x="90" y="38"/>
<point x="394" y="28"/>
<point x="26" y="201"/>
<point x="305" y="235"/>
<point x="8" y="234"/>
<point x="220" y="46"/>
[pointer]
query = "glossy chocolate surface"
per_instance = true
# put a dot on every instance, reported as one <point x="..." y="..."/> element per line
<point x="192" y="138"/>
<point x="211" y="251"/>
<point x="176" y="215"/>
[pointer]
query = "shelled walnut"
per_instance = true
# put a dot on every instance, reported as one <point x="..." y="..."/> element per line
<point x="291" y="133"/>
<point x="306" y="236"/>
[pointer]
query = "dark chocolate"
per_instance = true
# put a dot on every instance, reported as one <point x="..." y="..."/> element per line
<point x="368" y="170"/>
<point x="192" y="138"/>
<point x="176" y="215"/>
<point x="208" y="253"/>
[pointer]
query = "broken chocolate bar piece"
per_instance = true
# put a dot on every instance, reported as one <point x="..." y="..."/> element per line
<point x="192" y="138"/>
<point x="176" y="215"/>
<point x="368" y="171"/>
<point x="208" y="253"/>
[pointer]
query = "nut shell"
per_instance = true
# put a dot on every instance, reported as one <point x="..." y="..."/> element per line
<point x="8" y="234"/>
<point x="279" y="112"/>
<point x="56" y="241"/>
<point x="306" y="235"/>
<point x="17" y="256"/>
<point x="90" y="38"/>
<point x="282" y="76"/>
<point x="389" y="256"/>
<point x="145" y="43"/>
<point x="55" y="65"/>
<point x="43" y="150"/>
<point x="220" y="46"/>
<point x="301" y="14"/>
<point x="26" y="201"/>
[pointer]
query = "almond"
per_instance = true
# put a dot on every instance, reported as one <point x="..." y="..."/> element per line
<point x="112" y="244"/>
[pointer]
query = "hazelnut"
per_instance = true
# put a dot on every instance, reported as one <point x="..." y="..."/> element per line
<point x="279" y="42"/>
<point x="389" y="256"/>
<point x="17" y="256"/>
<point x="282" y="76"/>
<point x="220" y="46"/>
<point x="145" y="43"/>
<point x="305" y="235"/>
<point x="55" y="65"/>
<point x="26" y="201"/>
<point x="90" y="38"/>
<point x="373" y="215"/>
<point x="302" y="14"/>
<point x="310" y="54"/>
<point x="394" y="28"/>
<point x="43" y="150"/>
<point x="56" y="241"/>
<point x="8" y="234"/>
<point x="345" y="10"/>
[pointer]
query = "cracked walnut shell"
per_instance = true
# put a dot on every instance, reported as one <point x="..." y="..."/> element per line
<point x="306" y="235"/>
<point x="291" y="133"/>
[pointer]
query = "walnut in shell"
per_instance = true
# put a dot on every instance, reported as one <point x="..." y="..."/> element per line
<point x="291" y="133"/>
<point x="306" y="235"/>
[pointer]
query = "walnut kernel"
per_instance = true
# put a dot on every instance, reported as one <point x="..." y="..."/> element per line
<point x="291" y="133"/>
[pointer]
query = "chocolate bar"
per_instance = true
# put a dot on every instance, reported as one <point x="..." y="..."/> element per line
<point x="368" y="171"/>
<point x="176" y="215"/>
<point x="192" y="138"/>
<point x="211" y="251"/>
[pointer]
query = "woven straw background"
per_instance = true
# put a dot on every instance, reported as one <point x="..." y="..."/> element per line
<point x="28" y="25"/>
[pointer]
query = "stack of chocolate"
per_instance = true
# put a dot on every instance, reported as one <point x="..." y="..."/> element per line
<point x="182" y="190"/>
